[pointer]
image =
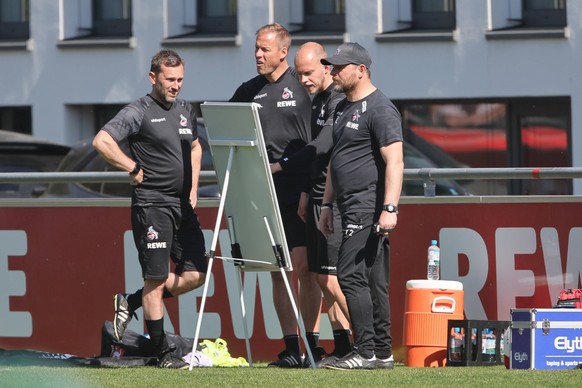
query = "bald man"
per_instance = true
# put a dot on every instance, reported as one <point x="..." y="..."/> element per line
<point x="321" y="252"/>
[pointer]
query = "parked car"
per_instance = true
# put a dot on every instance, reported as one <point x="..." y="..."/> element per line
<point x="413" y="158"/>
<point x="85" y="158"/>
<point x="25" y="153"/>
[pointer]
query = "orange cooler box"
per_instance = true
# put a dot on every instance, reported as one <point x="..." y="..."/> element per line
<point x="429" y="304"/>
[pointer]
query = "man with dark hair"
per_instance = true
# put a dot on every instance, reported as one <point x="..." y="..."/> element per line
<point x="284" y="113"/>
<point x="365" y="177"/>
<point x="164" y="167"/>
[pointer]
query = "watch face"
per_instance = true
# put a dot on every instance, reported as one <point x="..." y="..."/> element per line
<point x="390" y="208"/>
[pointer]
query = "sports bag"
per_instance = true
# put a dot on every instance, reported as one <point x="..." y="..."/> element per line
<point x="570" y="298"/>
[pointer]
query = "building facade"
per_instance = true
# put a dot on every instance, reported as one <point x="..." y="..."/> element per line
<point x="480" y="83"/>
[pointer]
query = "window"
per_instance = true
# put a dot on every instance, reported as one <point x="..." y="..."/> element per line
<point x="14" y="20"/>
<point x="544" y="13"/>
<point x="324" y="15"/>
<point x="111" y="18"/>
<point x="514" y="133"/>
<point x="16" y="118"/>
<point x="417" y="21"/>
<point x="519" y="19"/>
<point x="217" y="16"/>
<point x="201" y="22"/>
<point x="433" y="14"/>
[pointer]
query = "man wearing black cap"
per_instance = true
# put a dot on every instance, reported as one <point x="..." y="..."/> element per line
<point x="365" y="177"/>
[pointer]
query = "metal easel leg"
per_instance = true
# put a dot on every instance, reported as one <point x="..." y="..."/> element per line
<point x="212" y="253"/>
<point x="236" y="253"/>
<point x="291" y="295"/>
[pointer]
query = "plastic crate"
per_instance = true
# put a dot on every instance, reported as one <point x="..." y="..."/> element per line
<point x="472" y="330"/>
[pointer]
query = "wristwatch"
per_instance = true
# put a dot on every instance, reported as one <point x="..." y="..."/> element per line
<point x="136" y="169"/>
<point x="390" y="208"/>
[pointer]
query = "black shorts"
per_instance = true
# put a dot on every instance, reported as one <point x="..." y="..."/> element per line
<point x="322" y="252"/>
<point x="293" y="225"/>
<point x="164" y="233"/>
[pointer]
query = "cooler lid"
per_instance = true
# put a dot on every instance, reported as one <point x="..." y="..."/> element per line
<point x="435" y="284"/>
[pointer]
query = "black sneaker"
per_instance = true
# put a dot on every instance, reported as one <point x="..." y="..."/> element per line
<point x="123" y="315"/>
<point x="387" y="363"/>
<point x="353" y="361"/>
<point x="318" y="354"/>
<point x="287" y="360"/>
<point x="168" y="360"/>
<point x="331" y="358"/>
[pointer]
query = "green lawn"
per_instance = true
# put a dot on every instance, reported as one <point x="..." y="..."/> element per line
<point x="493" y="376"/>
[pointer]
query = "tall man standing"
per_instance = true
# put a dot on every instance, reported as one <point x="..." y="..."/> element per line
<point x="365" y="176"/>
<point x="284" y="114"/>
<point x="321" y="252"/>
<point x="164" y="166"/>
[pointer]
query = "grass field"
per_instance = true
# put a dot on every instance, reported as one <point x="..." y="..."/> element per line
<point x="260" y="376"/>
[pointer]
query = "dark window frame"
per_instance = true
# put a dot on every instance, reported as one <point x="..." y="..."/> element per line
<point x="17" y="30"/>
<point x="434" y="20"/>
<point x="323" y="22"/>
<point x="552" y="17"/>
<point x="120" y="27"/>
<point x="515" y="109"/>
<point x="225" y="24"/>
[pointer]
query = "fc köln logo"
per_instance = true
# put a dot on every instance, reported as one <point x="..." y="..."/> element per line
<point x="152" y="234"/>
<point x="287" y="94"/>
<point x="183" y="121"/>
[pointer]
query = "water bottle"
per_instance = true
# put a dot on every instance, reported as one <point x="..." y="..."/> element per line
<point x="456" y="345"/>
<point x="434" y="261"/>
<point x="488" y="345"/>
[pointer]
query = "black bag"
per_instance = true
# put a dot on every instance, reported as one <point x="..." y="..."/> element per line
<point x="133" y="344"/>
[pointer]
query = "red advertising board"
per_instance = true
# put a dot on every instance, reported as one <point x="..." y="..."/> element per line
<point x="60" y="267"/>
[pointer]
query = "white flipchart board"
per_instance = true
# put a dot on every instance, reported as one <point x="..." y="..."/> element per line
<point x="250" y="201"/>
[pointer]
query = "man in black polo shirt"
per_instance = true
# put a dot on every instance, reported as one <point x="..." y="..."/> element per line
<point x="365" y="176"/>
<point x="285" y="112"/>
<point x="164" y="166"/>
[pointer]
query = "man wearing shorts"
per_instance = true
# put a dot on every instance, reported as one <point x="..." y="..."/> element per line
<point x="284" y="112"/>
<point x="365" y="177"/>
<point x="164" y="167"/>
<point x="321" y="252"/>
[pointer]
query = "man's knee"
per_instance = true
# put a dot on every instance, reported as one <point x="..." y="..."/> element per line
<point x="193" y="279"/>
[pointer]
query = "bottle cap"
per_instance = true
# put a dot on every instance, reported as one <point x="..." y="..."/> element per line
<point x="433" y="242"/>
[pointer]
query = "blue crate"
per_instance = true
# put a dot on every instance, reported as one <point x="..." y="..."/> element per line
<point x="546" y="338"/>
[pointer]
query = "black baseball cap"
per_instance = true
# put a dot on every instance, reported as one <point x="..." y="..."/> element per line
<point x="349" y="53"/>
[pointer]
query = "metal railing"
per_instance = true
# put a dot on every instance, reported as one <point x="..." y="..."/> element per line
<point x="427" y="175"/>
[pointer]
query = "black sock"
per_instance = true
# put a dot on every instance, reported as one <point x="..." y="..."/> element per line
<point x="341" y="340"/>
<point x="157" y="335"/>
<point x="292" y="344"/>
<point x="134" y="300"/>
<point x="312" y="339"/>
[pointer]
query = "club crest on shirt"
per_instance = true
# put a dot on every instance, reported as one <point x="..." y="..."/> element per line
<point x="355" y="117"/>
<point x="183" y="120"/>
<point x="287" y="94"/>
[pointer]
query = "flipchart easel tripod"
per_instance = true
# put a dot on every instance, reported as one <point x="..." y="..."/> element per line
<point x="219" y="114"/>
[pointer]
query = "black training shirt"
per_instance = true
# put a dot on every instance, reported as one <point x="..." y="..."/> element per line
<point x="160" y="139"/>
<point x="315" y="155"/>
<point x="357" y="167"/>
<point x="284" y="112"/>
